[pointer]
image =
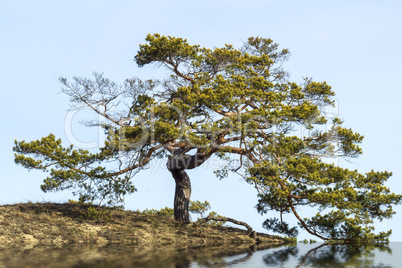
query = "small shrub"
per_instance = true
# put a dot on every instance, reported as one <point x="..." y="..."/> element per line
<point x="91" y="213"/>
<point x="80" y="202"/>
<point x="199" y="207"/>
<point x="162" y="212"/>
<point x="166" y="211"/>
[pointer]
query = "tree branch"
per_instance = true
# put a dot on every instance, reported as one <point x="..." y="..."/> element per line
<point x="221" y="218"/>
<point x="302" y="222"/>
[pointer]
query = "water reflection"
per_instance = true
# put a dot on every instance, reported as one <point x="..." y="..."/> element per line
<point x="326" y="255"/>
<point x="289" y="256"/>
<point x="281" y="256"/>
<point x="115" y="256"/>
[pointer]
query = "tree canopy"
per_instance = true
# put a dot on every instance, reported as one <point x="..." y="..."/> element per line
<point x="236" y="104"/>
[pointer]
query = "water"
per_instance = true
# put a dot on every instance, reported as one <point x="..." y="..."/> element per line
<point x="319" y="255"/>
<point x="315" y="255"/>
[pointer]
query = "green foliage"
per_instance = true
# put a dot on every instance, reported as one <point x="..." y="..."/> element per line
<point x="305" y="241"/>
<point x="237" y="104"/>
<point x="348" y="201"/>
<point x="63" y="164"/>
<point x="93" y="213"/>
<point x="215" y="223"/>
<point x="161" y="212"/>
<point x="292" y="239"/>
<point x="79" y="202"/>
<point x="199" y="207"/>
<point x="202" y="207"/>
<point x="280" y="227"/>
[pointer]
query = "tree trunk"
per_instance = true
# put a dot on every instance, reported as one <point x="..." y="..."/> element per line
<point x="177" y="164"/>
<point x="182" y="195"/>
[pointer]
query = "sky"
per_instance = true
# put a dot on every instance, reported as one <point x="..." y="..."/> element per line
<point x="355" y="46"/>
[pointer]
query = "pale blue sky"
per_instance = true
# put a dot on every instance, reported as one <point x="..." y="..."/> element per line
<point x="353" y="45"/>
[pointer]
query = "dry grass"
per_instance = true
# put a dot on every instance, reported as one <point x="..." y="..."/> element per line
<point x="57" y="225"/>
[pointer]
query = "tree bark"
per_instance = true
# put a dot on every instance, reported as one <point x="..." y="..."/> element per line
<point x="221" y="218"/>
<point x="182" y="194"/>
<point x="177" y="164"/>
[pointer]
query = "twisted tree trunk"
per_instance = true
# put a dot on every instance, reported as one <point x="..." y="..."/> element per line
<point x="181" y="196"/>
<point x="177" y="164"/>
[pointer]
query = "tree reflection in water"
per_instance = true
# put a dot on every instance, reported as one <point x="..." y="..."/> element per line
<point x="281" y="256"/>
<point x="221" y="262"/>
<point x="324" y="255"/>
<point x="329" y="255"/>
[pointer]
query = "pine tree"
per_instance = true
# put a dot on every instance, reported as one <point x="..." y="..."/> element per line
<point x="236" y="104"/>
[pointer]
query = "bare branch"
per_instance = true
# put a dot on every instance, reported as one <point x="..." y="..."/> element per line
<point x="221" y="218"/>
